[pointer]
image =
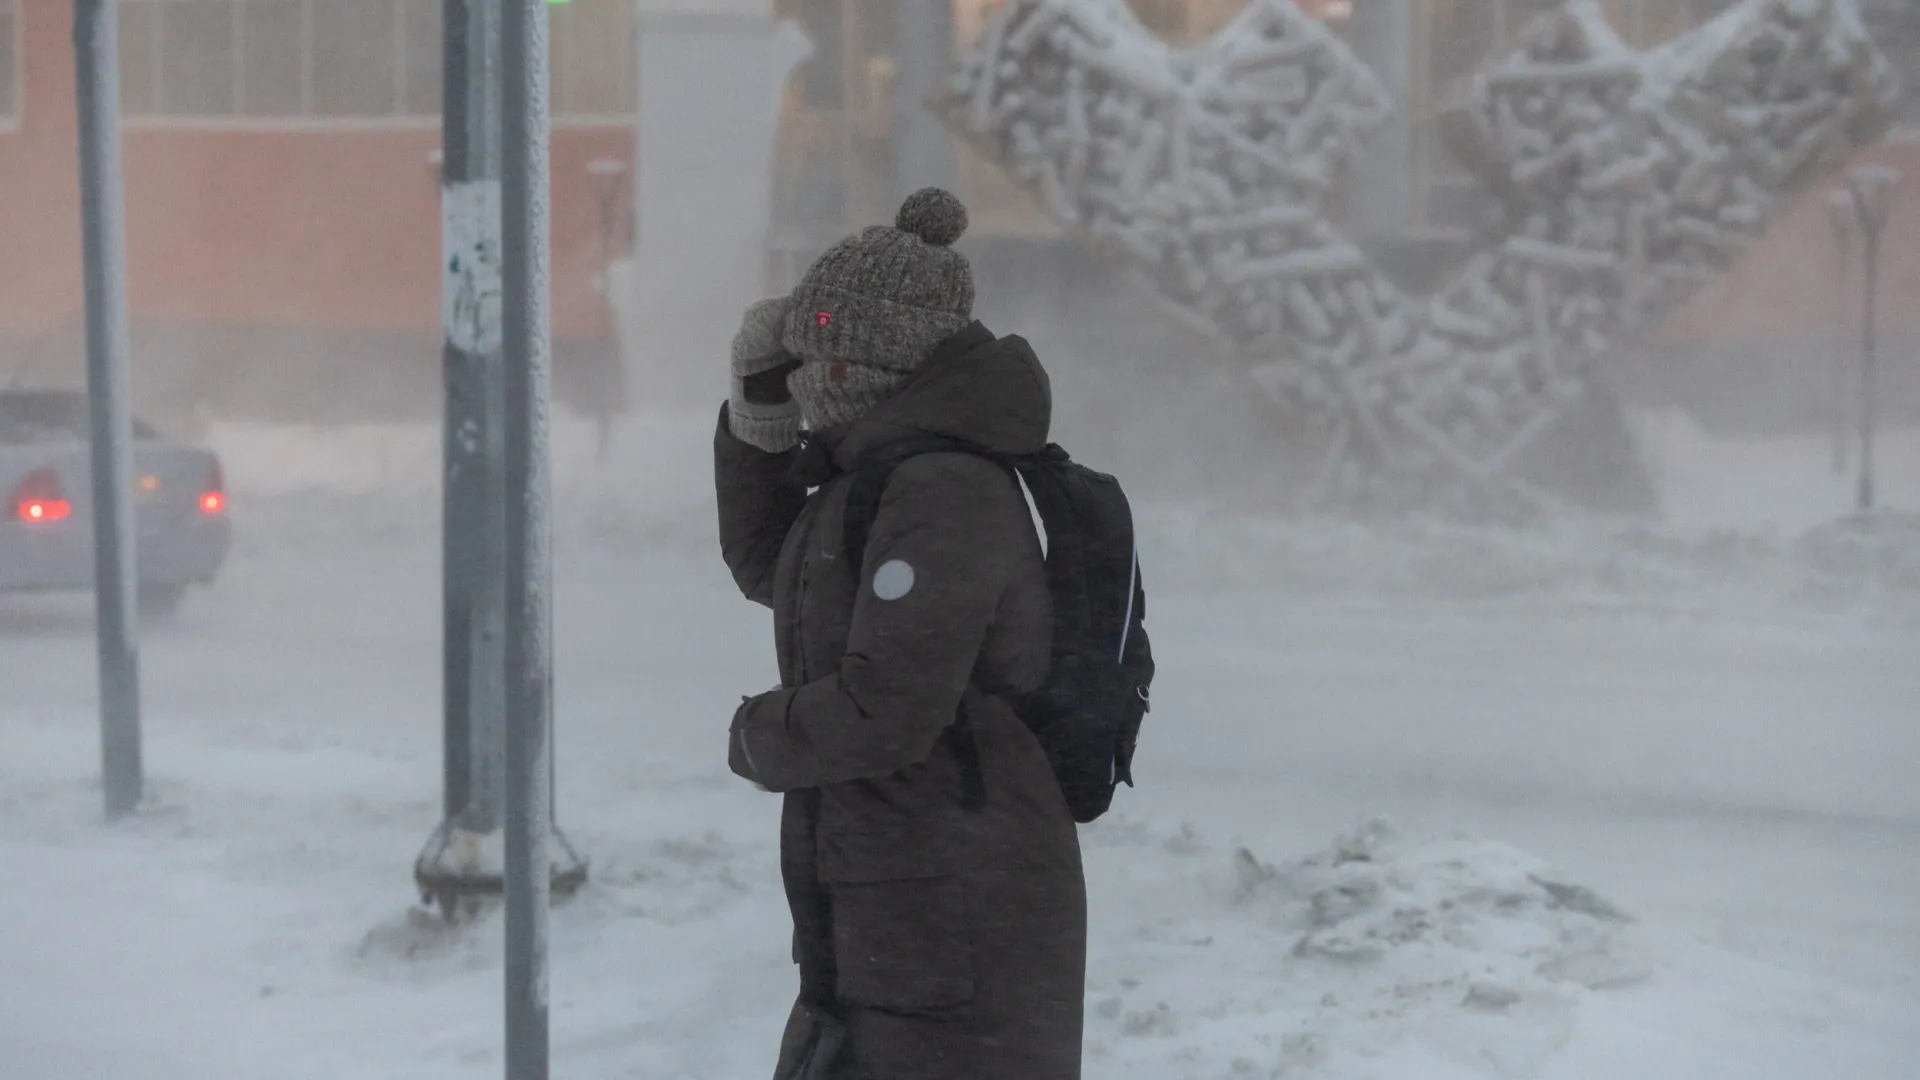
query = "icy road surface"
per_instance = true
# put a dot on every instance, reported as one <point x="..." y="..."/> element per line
<point x="1666" y="835"/>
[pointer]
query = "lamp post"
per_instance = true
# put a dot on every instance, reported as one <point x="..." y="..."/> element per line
<point x="1871" y="189"/>
<point x="1840" y="215"/>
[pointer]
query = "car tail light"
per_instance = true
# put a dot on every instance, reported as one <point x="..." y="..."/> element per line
<point x="214" y="499"/>
<point x="39" y="500"/>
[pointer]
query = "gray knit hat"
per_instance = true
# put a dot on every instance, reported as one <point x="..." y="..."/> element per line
<point x="875" y="306"/>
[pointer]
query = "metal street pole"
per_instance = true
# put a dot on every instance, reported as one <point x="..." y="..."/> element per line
<point x="1840" y="215"/>
<point x="463" y="862"/>
<point x="110" y="410"/>
<point x="527" y="349"/>
<point x="1872" y="188"/>
<point x="1869" y="363"/>
<point x="462" y="859"/>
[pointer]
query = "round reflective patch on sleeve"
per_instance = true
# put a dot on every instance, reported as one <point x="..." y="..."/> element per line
<point x="893" y="580"/>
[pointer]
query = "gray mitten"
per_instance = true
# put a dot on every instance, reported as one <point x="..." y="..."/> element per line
<point x="760" y="411"/>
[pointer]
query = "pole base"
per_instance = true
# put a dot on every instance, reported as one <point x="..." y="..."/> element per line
<point x="460" y="869"/>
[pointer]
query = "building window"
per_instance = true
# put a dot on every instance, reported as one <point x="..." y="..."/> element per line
<point x="245" y="62"/>
<point x="11" y="75"/>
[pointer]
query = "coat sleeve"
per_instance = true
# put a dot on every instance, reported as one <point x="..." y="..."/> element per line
<point x="759" y="501"/>
<point x="947" y="532"/>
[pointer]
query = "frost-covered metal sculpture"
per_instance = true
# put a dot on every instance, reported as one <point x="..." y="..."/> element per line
<point x="1626" y="179"/>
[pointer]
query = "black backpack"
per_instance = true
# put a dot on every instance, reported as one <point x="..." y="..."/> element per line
<point x="1088" y="713"/>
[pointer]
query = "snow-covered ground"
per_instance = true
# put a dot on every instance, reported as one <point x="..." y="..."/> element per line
<point x="1650" y="790"/>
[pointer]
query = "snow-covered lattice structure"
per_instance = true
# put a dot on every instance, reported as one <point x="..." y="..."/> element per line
<point x="1626" y="178"/>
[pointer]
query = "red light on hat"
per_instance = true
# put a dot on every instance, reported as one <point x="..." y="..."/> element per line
<point x="822" y="319"/>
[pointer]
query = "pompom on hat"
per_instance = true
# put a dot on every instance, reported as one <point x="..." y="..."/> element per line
<point x="933" y="215"/>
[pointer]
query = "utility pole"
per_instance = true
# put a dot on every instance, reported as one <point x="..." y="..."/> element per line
<point x="527" y="342"/>
<point x="463" y="863"/>
<point x="110" y="409"/>
<point x="1872" y="189"/>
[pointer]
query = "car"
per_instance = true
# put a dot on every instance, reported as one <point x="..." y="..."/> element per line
<point x="46" y="528"/>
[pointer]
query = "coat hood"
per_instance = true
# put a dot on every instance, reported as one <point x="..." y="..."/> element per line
<point x="975" y="387"/>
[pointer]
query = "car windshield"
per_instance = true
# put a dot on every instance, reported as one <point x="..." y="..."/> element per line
<point x="37" y="416"/>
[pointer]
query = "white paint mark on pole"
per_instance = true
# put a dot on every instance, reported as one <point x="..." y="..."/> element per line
<point x="470" y="262"/>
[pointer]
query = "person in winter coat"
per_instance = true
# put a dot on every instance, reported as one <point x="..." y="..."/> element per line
<point x="929" y="858"/>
